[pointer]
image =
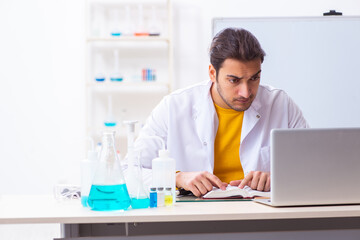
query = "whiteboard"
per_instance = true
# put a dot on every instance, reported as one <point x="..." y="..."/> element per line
<point x="315" y="60"/>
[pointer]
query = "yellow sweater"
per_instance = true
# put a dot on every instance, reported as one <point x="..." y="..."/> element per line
<point x="227" y="165"/>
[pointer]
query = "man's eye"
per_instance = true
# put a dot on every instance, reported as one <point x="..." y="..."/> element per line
<point x="255" y="78"/>
<point x="234" y="80"/>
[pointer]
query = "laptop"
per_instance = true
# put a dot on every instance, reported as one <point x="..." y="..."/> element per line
<point x="314" y="167"/>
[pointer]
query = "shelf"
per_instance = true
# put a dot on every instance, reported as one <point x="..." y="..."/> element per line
<point x="128" y="87"/>
<point x="123" y="2"/>
<point x="129" y="39"/>
<point x="119" y="129"/>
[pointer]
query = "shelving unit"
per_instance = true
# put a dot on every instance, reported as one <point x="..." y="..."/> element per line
<point x="133" y="98"/>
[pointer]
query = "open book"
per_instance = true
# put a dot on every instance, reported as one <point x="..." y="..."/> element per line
<point x="235" y="192"/>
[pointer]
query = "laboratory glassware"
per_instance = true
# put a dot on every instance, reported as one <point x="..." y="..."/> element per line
<point x="110" y="119"/>
<point x="168" y="197"/>
<point x="160" y="197"/>
<point x="108" y="190"/>
<point x="133" y="172"/>
<point x="88" y="167"/>
<point x="114" y="23"/>
<point x="154" y="24"/>
<point x="140" y="28"/>
<point x="99" y="67"/>
<point x="153" y="197"/>
<point x="116" y="75"/>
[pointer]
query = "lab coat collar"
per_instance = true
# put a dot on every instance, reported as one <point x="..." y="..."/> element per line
<point x="206" y="122"/>
<point x="251" y="117"/>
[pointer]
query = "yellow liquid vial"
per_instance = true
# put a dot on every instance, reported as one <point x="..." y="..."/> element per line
<point x="168" y="200"/>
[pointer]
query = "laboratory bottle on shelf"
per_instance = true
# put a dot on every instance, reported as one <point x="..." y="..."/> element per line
<point x="99" y="67"/>
<point x="128" y="28"/>
<point x="116" y="76"/>
<point x="140" y="28"/>
<point x="133" y="172"/>
<point x="114" y="23"/>
<point x="154" y="24"/>
<point x="110" y="119"/>
<point x="108" y="190"/>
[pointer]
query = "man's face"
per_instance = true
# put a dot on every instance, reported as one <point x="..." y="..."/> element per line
<point x="236" y="83"/>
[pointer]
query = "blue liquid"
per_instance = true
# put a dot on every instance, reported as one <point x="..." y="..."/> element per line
<point x="115" y="34"/>
<point x="99" y="79"/>
<point x="109" y="197"/>
<point x="153" y="199"/>
<point x="137" y="203"/>
<point x="116" y="79"/>
<point x="110" y="124"/>
<point x="84" y="201"/>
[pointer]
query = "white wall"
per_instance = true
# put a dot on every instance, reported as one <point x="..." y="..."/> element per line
<point x="42" y="100"/>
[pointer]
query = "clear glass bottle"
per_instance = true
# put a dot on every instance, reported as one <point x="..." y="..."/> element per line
<point x="160" y="197"/>
<point x="108" y="190"/>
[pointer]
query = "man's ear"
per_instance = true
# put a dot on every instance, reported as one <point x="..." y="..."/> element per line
<point x="212" y="73"/>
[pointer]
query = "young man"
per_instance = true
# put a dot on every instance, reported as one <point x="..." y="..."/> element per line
<point x="218" y="131"/>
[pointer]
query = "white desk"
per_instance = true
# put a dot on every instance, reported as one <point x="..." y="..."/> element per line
<point x="185" y="218"/>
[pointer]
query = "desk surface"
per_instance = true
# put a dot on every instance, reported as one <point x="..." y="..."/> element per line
<point x="45" y="209"/>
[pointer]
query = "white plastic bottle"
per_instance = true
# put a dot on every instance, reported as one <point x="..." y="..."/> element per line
<point x="163" y="172"/>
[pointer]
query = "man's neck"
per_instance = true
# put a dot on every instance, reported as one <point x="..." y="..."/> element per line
<point x="217" y="98"/>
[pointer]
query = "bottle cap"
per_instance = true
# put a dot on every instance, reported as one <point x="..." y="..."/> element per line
<point x="168" y="189"/>
<point x="160" y="188"/>
<point x="153" y="189"/>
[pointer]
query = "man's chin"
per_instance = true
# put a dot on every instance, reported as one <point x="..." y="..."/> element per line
<point x="240" y="108"/>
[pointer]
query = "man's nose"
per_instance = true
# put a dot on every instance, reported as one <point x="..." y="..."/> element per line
<point x="244" y="90"/>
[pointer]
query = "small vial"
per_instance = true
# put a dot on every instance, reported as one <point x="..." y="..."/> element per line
<point x="160" y="197"/>
<point x="153" y="197"/>
<point x="168" y="197"/>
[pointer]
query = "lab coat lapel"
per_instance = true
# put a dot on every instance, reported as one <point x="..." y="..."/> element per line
<point x="206" y="124"/>
<point x="251" y="117"/>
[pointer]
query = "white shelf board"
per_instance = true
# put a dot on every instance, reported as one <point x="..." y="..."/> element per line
<point x="129" y="39"/>
<point x="129" y="87"/>
<point x="120" y="129"/>
<point x="122" y="2"/>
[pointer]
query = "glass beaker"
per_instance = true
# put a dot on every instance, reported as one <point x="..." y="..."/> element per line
<point x="108" y="190"/>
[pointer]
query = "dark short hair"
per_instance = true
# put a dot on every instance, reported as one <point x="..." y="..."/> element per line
<point x="234" y="43"/>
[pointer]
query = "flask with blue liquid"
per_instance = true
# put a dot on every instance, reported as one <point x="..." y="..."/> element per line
<point x="108" y="190"/>
<point x="133" y="172"/>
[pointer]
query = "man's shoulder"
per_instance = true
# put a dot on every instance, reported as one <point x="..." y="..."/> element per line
<point x="192" y="90"/>
<point x="268" y="91"/>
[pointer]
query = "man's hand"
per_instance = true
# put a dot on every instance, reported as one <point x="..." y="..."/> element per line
<point x="256" y="180"/>
<point x="198" y="183"/>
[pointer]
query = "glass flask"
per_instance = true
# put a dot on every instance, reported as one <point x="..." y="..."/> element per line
<point x="133" y="175"/>
<point x="108" y="190"/>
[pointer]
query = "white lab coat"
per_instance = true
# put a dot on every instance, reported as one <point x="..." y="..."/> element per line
<point x="187" y="121"/>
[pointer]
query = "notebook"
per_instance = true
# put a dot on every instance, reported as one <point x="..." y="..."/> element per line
<point x="314" y="167"/>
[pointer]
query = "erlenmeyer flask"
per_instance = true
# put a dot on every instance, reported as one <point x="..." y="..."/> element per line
<point x="108" y="190"/>
<point x="139" y="197"/>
